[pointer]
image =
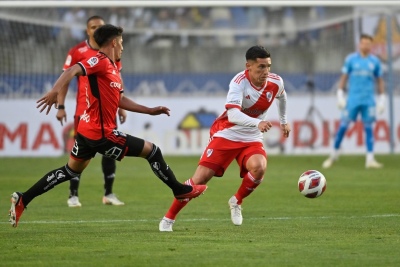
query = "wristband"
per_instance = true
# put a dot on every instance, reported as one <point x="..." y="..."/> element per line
<point x="61" y="107"/>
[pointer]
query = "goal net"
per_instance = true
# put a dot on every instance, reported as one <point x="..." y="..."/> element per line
<point x="171" y="51"/>
<point x="186" y="55"/>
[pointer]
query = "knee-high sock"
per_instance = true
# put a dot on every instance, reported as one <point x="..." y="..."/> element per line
<point x="48" y="182"/>
<point x="74" y="186"/>
<point x="108" y="166"/>
<point x="177" y="205"/>
<point x="164" y="172"/>
<point x="249" y="184"/>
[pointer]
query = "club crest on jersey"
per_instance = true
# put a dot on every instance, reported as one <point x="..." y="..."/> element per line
<point x="209" y="152"/>
<point x="269" y="95"/>
<point x="371" y="66"/>
<point x="93" y="61"/>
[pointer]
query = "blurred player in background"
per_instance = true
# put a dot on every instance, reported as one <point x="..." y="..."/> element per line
<point x="80" y="52"/>
<point x="96" y="132"/>
<point x="360" y="72"/>
<point x="237" y="133"/>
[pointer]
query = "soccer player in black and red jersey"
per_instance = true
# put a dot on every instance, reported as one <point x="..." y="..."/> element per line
<point x="96" y="130"/>
<point x="82" y="51"/>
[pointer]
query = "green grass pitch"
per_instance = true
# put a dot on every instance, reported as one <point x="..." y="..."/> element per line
<point x="354" y="223"/>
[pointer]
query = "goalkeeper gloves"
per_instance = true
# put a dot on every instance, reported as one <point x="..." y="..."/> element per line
<point x="380" y="107"/>
<point x="341" y="101"/>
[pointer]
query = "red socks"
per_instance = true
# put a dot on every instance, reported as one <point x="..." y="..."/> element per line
<point x="177" y="205"/>
<point x="246" y="188"/>
<point x="248" y="185"/>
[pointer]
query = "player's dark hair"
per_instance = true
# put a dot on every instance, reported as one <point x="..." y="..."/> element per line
<point x="257" y="51"/>
<point x="106" y="33"/>
<point x="93" y="18"/>
<point x="366" y="36"/>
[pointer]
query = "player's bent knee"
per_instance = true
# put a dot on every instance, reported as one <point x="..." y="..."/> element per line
<point x="259" y="176"/>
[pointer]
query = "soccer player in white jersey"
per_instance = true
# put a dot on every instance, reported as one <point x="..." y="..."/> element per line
<point x="360" y="71"/>
<point x="238" y="133"/>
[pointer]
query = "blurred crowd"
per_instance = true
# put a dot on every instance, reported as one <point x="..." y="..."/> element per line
<point x="164" y="27"/>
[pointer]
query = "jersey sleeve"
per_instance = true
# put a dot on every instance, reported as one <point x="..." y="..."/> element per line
<point x="93" y="65"/>
<point x="235" y="95"/>
<point x="72" y="58"/>
<point x="346" y="69"/>
<point x="281" y="89"/>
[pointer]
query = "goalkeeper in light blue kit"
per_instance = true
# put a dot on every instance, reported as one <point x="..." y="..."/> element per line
<point x="360" y="71"/>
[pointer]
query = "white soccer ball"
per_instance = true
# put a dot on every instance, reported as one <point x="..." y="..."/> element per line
<point x="312" y="183"/>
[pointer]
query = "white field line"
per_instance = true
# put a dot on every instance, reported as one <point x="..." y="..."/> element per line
<point x="211" y="220"/>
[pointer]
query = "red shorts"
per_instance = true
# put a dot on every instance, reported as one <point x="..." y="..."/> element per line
<point x="220" y="152"/>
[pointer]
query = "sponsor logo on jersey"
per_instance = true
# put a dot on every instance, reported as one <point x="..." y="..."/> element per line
<point x="115" y="85"/>
<point x="250" y="111"/>
<point x="247" y="97"/>
<point x="85" y="117"/>
<point x="93" y="61"/>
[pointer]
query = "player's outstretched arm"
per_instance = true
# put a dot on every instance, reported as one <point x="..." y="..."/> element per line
<point x="282" y="101"/>
<point x="62" y="83"/>
<point x="128" y="104"/>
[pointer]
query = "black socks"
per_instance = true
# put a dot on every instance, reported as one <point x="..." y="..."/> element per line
<point x="164" y="173"/>
<point x="108" y="166"/>
<point x="48" y="182"/>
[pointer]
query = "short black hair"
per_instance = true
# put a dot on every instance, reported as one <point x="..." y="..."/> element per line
<point x="257" y="51"/>
<point x="106" y="33"/>
<point x="366" y="36"/>
<point x="93" y="18"/>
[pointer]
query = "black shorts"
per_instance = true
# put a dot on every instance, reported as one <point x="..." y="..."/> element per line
<point x="116" y="146"/>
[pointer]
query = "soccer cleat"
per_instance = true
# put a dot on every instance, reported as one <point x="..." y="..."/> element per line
<point x="17" y="208"/>
<point x="166" y="225"/>
<point x="73" y="202"/>
<point x="111" y="199"/>
<point x="197" y="190"/>
<point x="373" y="164"/>
<point x="327" y="163"/>
<point x="236" y="211"/>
